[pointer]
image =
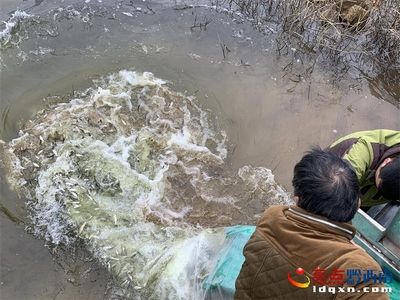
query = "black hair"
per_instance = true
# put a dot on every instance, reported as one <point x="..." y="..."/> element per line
<point x="389" y="186"/>
<point x="326" y="185"/>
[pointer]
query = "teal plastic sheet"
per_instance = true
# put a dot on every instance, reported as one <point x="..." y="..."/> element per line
<point x="395" y="285"/>
<point x="220" y="284"/>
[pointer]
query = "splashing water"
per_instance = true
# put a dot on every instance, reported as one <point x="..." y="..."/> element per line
<point x="137" y="172"/>
<point x="10" y="28"/>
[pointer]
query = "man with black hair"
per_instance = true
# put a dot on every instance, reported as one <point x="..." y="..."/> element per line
<point x="375" y="157"/>
<point x="305" y="250"/>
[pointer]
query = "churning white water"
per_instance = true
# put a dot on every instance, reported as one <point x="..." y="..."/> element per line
<point x="134" y="170"/>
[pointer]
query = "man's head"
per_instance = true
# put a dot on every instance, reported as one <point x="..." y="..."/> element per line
<point x="326" y="185"/>
<point x="387" y="178"/>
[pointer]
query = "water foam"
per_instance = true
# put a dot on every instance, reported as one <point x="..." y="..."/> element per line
<point x="136" y="171"/>
<point x="11" y="26"/>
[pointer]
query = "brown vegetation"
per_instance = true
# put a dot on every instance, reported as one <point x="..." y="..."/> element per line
<point x="352" y="36"/>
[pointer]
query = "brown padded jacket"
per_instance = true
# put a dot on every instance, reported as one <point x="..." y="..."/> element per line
<point x="287" y="238"/>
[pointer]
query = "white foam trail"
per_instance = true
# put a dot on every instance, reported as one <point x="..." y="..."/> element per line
<point x="11" y="24"/>
<point x="130" y="169"/>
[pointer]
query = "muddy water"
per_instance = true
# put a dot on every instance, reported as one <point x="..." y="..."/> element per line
<point x="270" y="117"/>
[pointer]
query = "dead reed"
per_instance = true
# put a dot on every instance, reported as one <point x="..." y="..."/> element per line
<point x="356" y="37"/>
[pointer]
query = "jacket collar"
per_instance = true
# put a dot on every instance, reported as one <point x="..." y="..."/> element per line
<point x="381" y="152"/>
<point x="322" y="223"/>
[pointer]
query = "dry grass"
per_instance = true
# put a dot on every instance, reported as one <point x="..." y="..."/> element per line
<point x="361" y="39"/>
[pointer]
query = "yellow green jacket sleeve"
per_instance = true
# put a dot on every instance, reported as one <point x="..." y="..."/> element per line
<point x="365" y="151"/>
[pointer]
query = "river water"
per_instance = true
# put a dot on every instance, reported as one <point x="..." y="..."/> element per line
<point x="51" y="51"/>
